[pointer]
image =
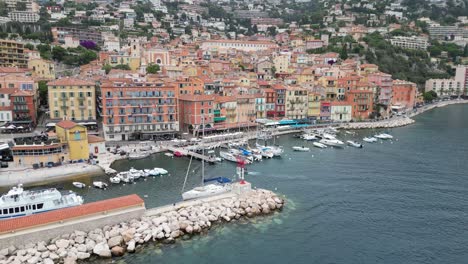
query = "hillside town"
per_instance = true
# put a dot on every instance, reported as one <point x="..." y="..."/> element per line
<point x="152" y="70"/>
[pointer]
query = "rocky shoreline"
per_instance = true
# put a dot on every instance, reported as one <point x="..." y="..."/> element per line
<point x="116" y="240"/>
<point x="397" y="122"/>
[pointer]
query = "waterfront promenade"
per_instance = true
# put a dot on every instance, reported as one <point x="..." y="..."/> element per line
<point x="12" y="176"/>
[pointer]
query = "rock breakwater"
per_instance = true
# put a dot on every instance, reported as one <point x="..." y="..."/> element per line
<point x="116" y="240"/>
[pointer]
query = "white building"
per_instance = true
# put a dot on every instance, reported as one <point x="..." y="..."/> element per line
<point x="237" y="44"/>
<point x="444" y="87"/>
<point x="341" y="112"/>
<point x="24" y="16"/>
<point x="461" y="76"/>
<point x="412" y="42"/>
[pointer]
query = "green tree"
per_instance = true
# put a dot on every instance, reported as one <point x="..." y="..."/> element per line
<point x="29" y="46"/>
<point x="3" y="9"/>
<point x="58" y="53"/>
<point x="122" y="67"/>
<point x="21" y="6"/>
<point x="43" y="92"/>
<point x="465" y="51"/>
<point x="107" y="68"/>
<point x="344" y="52"/>
<point x="152" y="68"/>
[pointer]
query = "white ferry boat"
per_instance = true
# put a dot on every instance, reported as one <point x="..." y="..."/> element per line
<point x="18" y="202"/>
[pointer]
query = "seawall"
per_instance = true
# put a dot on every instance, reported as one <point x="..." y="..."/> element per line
<point x="159" y="225"/>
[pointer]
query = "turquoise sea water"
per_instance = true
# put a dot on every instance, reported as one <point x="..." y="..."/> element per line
<point x="400" y="201"/>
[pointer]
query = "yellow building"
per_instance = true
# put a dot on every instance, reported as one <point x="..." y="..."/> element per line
<point x="313" y="110"/>
<point x="73" y="99"/>
<point x="42" y="69"/>
<point x="75" y="139"/>
<point x="296" y="103"/>
<point x="282" y="63"/>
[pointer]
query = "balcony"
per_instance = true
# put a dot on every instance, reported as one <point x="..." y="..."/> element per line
<point x="82" y="106"/>
<point x="217" y="111"/>
<point x="220" y="119"/>
<point x="20" y="110"/>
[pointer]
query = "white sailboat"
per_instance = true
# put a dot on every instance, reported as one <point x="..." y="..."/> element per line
<point x="205" y="190"/>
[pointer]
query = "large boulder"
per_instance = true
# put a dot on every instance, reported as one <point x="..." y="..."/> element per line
<point x="62" y="243"/>
<point x="115" y="241"/>
<point x="128" y="234"/>
<point x="83" y="255"/>
<point x="47" y="261"/>
<point x="102" y="249"/>
<point x="117" y="251"/>
<point x="79" y="239"/>
<point x="33" y="260"/>
<point x="131" y="246"/>
<point x="52" y="247"/>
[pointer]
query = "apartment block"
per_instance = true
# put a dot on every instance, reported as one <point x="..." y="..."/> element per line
<point x="72" y="99"/>
<point x="133" y="109"/>
<point x="412" y="42"/>
<point x="12" y="54"/>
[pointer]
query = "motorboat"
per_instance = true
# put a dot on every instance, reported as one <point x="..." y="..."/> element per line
<point x="158" y="171"/>
<point x="369" y="139"/>
<point x="266" y="153"/>
<point x="309" y="137"/>
<point x="169" y="154"/>
<point x="125" y="177"/>
<point x="233" y="157"/>
<point x="276" y="150"/>
<point x="332" y="142"/>
<point x="383" y="136"/>
<point x="19" y="202"/>
<point x="138" y="155"/>
<point x="328" y="136"/>
<point x="247" y="155"/>
<point x="114" y="179"/>
<point x="319" y="145"/>
<point x="303" y="149"/>
<point x="100" y="184"/>
<point x="354" y="144"/>
<point x="79" y="185"/>
<point x="349" y="132"/>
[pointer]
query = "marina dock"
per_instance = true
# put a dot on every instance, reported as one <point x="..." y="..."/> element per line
<point x="191" y="153"/>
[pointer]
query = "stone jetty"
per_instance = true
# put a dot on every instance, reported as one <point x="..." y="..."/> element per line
<point x="396" y="122"/>
<point x="128" y="237"/>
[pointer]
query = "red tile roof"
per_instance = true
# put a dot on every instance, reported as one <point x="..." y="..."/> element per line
<point x="56" y="216"/>
<point x="67" y="124"/>
<point x="71" y="81"/>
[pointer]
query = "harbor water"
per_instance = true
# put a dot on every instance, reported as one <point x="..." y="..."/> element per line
<point x="399" y="201"/>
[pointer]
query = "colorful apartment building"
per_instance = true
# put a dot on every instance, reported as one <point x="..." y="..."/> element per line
<point x="404" y="95"/>
<point x="24" y="108"/>
<point x="197" y="113"/>
<point x="325" y="110"/>
<point x="280" y="100"/>
<point x="362" y="102"/>
<point x="72" y="98"/>
<point x="138" y="110"/>
<point x="384" y="82"/>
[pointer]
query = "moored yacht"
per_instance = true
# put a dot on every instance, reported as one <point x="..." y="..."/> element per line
<point x="19" y="202"/>
<point x="319" y="145"/>
<point x="332" y="142"/>
<point x="369" y="139"/>
<point x="383" y="136"/>
<point x="354" y="144"/>
<point x="303" y="149"/>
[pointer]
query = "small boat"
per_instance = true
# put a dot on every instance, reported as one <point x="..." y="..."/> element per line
<point x="354" y="144"/>
<point x="309" y="137"/>
<point x="303" y="149"/>
<point x="349" y="132"/>
<point x="332" y="142"/>
<point x="383" y="136"/>
<point x="135" y="156"/>
<point x="79" y="185"/>
<point x="178" y="154"/>
<point x="114" y="179"/>
<point x="125" y="177"/>
<point x="231" y="157"/>
<point x="369" y="139"/>
<point x="159" y="171"/>
<point x="319" y="145"/>
<point x="169" y="154"/>
<point x="100" y="184"/>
